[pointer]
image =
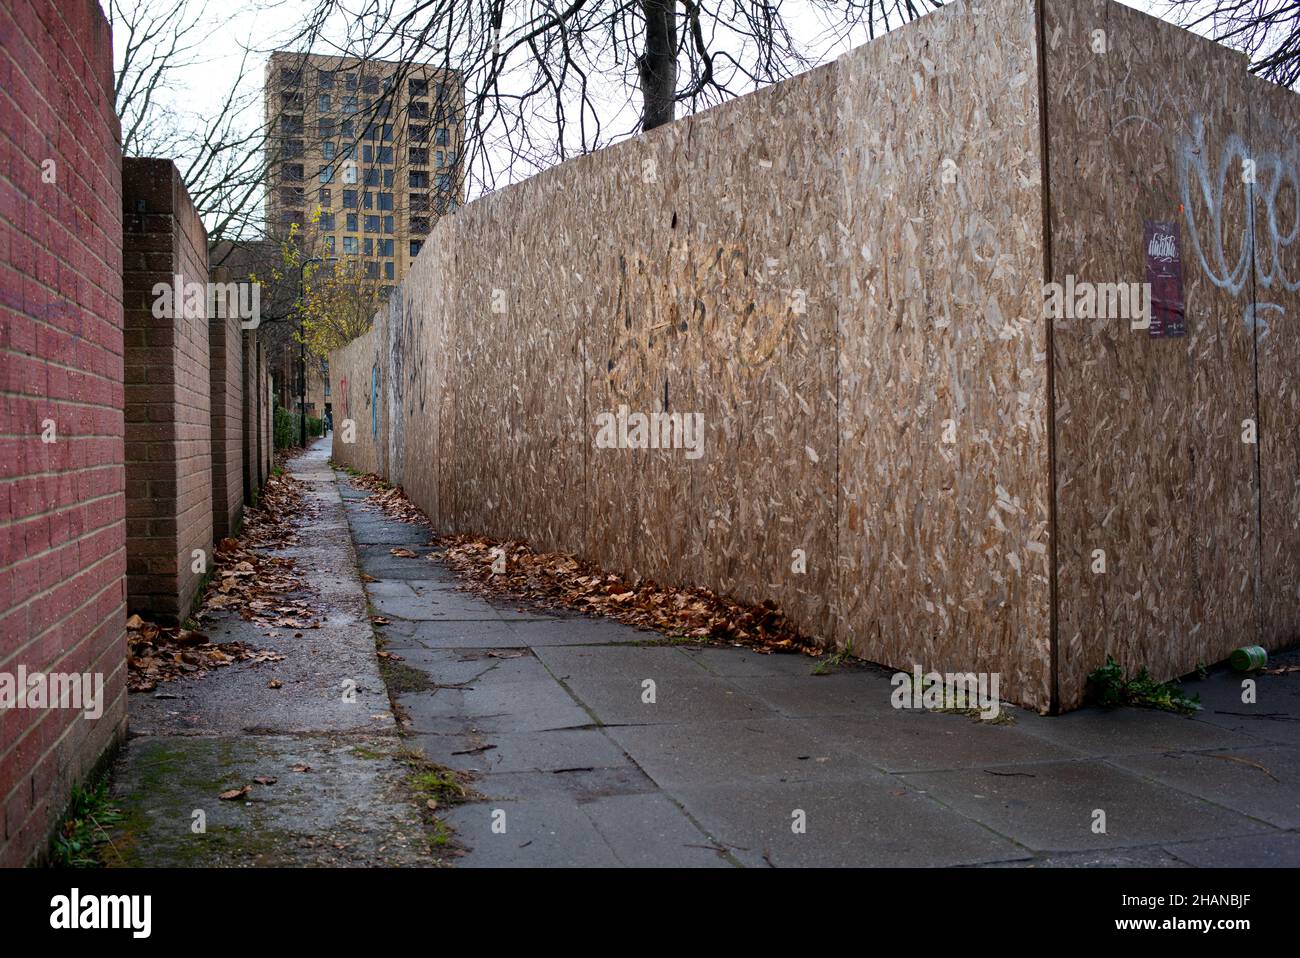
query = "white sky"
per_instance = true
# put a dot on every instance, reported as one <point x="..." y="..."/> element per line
<point x="263" y="25"/>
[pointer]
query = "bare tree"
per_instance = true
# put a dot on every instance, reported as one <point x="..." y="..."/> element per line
<point x="1267" y="31"/>
<point x="548" y="79"/>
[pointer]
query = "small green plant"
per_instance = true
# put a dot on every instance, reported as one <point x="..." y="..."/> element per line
<point x="84" y="832"/>
<point x="832" y="661"/>
<point x="1109" y="688"/>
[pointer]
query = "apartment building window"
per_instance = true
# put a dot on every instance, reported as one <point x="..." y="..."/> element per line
<point x="325" y="79"/>
<point x="350" y="81"/>
<point x="419" y="224"/>
<point x="370" y="85"/>
<point x="419" y="134"/>
<point x="419" y="203"/>
<point x="349" y="172"/>
<point x="327" y="150"/>
<point x="291" y="217"/>
<point x="290" y="124"/>
<point x="419" y="156"/>
<point x="451" y="158"/>
<point x="291" y="172"/>
<point x="384" y="154"/>
<point x="372" y="270"/>
<point x="385" y="201"/>
<point x="388" y="224"/>
<point x="350" y="199"/>
<point x="329" y="244"/>
<point x="292" y="149"/>
<point x="385" y="247"/>
<point x="416" y="246"/>
<point x="372" y="176"/>
<point x="326" y="198"/>
<point x="326" y="221"/>
<point x="345" y="129"/>
<point x="367" y="201"/>
<point x="444" y="182"/>
<point x="419" y="110"/>
<point x="388" y="178"/>
<point x="441" y="138"/>
<point x="349" y="104"/>
<point x="291" y="195"/>
<point x="367" y="247"/>
<point x="419" y="88"/>
<point x="351" y="221"/>
<point x="326" y="174"/>
<point x="350" y="244"/>
<point x="325" y="127"/>
<point x="289" y="76"/>
<point x="440" y="158"/>
<point x="388" y="269"/>
<point x="323" y="102"/>
<point x="371" y="224"/>
<point x="367" y="154"/>
<point x="419" y="180"/>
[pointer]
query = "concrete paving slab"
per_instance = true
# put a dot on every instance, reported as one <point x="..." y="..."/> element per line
<point x="1246" y="851"/>
<point x="539" y="834"/>
<point x="485" y="634"/>
<point x="1051" y="807"/>
<point x="872" y="823"/>
<point x="908" y="740"/>
<point x="581" y="631"/>
<point x="618" y="700"/>
<point x="371" y="529"/>
<point x="799" y="696"/>
<point x="1263" y="783"/>
<point x="733" y="661"/>
<point x="1101" y="733"/>
<point x="520" y="707"/>
<point x="743" y="752"/>
<point x="570" y="749"/>
<point x="629" y="662"/>
<point x="652" y="831"/>
<point x="402" y="601"/>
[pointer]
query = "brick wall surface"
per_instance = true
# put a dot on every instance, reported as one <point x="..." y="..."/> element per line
<point x="226" y="357"/>
<point x="62" y="554"/>
<point x="168" y="422"/>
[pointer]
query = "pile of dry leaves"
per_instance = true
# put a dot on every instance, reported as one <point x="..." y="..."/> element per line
<point x="390" y="500"/>
<point x="156" y="654"/>
<point x="558" y="580"/>
<point x="256" y="586"/>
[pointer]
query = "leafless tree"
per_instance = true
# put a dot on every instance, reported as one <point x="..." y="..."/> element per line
<point x="1267" y="31"/>
<point x="548" y="79"/>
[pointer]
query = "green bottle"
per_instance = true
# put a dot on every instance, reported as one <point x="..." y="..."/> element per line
<point x="1248" y="658"/>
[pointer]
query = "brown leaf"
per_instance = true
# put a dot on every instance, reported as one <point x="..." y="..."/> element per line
<point x="235" y="793"/>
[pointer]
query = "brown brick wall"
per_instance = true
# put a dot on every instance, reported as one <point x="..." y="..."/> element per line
<point x="168" y="420"/>
<point x="62" y="553"/>
<point x="226" y="372"/>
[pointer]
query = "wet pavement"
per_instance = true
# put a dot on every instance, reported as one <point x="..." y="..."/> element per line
<point x="749" y="759"/>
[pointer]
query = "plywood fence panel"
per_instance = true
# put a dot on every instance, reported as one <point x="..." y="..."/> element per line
<point x="943" y="464"/>
<point x="1274" y="144"/>
<point x="1151" y="469"/>
<point x="761" y="273"/>
<point x="641" y="353"/>
<point x="350" y="381"/>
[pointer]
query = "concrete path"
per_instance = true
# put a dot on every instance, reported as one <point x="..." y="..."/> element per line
<point x="325" y="734"/>
<point x="737" y="749"/>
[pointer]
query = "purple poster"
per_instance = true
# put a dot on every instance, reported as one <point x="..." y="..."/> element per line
<point x="1165" y="279"/>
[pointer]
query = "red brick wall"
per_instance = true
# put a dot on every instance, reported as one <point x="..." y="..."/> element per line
<point x="168" y="418"/>
<point x="62" y="530"/>
<point x="226" y="357"/>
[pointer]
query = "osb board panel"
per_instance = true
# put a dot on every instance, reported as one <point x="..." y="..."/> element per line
<point x="943" y="545"/>
<point x="420" y="371"/>
<point x="350" y="385"/>
<point x="1150" y="463"/>
<point x="1273" y="142"/>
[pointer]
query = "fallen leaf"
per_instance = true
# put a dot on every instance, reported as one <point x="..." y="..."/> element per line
<point x="274" y="684"/>
<point x="265" y="780"/>
<point x="235" y="793"/>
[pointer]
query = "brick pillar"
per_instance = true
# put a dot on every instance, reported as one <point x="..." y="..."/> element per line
<point x="168" y="414"/>
<point x="226" y="375"/>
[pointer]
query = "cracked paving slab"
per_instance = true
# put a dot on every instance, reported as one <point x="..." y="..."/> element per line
<point x="743" y="759"/>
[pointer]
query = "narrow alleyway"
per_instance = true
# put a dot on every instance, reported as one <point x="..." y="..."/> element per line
<point x="739" y="749"/>
<point x="314" y="727"/>
<point x="587" y="742"/>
